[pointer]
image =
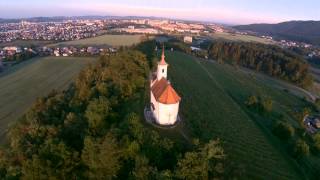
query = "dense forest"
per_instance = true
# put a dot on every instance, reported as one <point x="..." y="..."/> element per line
<point x="271" y="60"/>
<point x="95" y="130"/>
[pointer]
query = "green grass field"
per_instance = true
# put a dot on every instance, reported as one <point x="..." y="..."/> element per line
<point x="110" y="40"/>
<point x="239" y="37"/>
<point x="213" y="106"/>
<point x="21" y="85"/>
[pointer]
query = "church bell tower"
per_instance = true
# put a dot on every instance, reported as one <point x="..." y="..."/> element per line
<point x="162" y="67"/>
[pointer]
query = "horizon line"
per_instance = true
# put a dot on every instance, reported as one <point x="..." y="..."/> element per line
<point x="155" y="17"/>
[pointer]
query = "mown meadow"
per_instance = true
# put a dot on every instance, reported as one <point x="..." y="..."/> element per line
<point x="213" y="106"/>
<point x="23" y="84"/>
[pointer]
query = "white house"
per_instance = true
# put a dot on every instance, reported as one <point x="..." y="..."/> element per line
<point x="187" y="39"/>
<point x="164" y="99"/>
<point x="56" y="52"/>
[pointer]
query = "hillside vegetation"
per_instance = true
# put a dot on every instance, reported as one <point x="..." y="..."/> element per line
<point x="233" y="104"/>
<point x="94" y="130"/>
<point x="268" y="59"/>
<point x="306" y="31"/>
<point x="271" y="60"/>
<point x="213" y="105"/>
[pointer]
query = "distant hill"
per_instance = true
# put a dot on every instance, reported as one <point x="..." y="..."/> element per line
<point x="53" y="19"/>
<point x="35" y="19"/>
<point x="62" y="18"/>
<point x="305" y="31"/>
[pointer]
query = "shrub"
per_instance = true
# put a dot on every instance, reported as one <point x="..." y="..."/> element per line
<point x="251" y="101"/>
<point x="283" y="130"/>
<point x="316" y="142"/>
<point x="266" y="104"/>
<point x="317" y="103"/>
<point x="300" y="149"/>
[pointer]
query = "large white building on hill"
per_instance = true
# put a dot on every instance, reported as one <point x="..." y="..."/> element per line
<point x="164" y="99"/>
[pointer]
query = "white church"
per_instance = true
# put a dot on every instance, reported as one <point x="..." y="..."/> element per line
<point x="164" y="99"/>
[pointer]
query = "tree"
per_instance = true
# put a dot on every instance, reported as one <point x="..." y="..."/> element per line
<point x="306" y="111"/>
<point x="316" y="142"/>
<point x="259" y="65"/>
<point x="204" y="163"/>
<point x="74" y="130"/>
<point x="52" y="155"/>
<point x="283" y="130"/>
<point x="267" y="104"/>
<point x="317" y="103"/>
<point x="300" y="149"/>
<point x="142" y="169"/>
<point x="166" y="174"/>
<point x="251" y="101"/>
<point x="3" y="164"/>
<point x="96" y="113"/>
<point x="102" y="157"/>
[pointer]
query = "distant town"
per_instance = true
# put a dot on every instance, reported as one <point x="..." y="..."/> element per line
<point x="76" y="29"/>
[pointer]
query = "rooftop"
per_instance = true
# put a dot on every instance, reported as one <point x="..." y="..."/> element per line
<point x="164" y="92"/>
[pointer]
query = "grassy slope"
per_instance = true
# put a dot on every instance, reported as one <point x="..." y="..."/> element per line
<point x="315" y="70"/>
<point x="20" y="86"/>
<point x="112" y="40"/>
<point x="239" y="37"/>
<point x="212" y="102"/>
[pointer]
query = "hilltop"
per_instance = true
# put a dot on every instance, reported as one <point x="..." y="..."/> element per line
<point x="95" y="128"/>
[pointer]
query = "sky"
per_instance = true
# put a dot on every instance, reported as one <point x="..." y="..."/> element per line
<point x="221" y="11"/>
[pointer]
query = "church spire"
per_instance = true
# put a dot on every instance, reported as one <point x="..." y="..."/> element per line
<point x="163" y="56"/>
<point x="162" y="67"/>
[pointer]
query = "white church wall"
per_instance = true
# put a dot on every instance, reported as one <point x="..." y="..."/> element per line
<point x="156" y="106"/>
<point x="168" y="113"/>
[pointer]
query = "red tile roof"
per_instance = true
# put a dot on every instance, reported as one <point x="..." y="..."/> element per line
<point x="164" y="92"/>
